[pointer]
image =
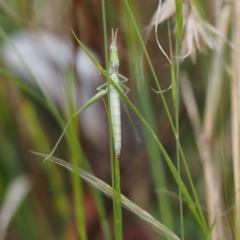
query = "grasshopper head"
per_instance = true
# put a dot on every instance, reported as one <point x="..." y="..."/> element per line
<point x="114" y="60"/>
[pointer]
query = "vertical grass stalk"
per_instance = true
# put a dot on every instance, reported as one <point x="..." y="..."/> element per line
<point x="179" y="19"/>
<point x="115" y="176"/>
<point x="236" y="115"/>
<point x="115" y="170"/>
<point x="117" y="201"/>
<point x="202" y="222"/>
<point x="76" y="155"/>
<point x="145" y="105"/>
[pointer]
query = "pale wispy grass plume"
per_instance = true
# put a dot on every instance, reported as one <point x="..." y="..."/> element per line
<point x="197" y="33"/>
<point x="156" y="25"/>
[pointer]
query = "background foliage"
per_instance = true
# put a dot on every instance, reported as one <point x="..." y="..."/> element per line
<point x="189" y="184"/>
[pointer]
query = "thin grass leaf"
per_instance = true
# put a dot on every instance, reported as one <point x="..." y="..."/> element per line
<point x="108" y="191"/>
<point x="23" y="86"/>
<point x="175" y="77"/>
<point x="199" y="214"/>
<point x="14" y="196"/>
<point x="196" y="212"/>
<point x="73" y="143"/>
<point x="48" y="101"/>
<point x="144" y="101"/>
<point x="178" y="5"/>
<point x="89" y="103"/>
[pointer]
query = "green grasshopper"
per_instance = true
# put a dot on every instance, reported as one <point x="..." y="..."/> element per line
<point x="114" y="94"/>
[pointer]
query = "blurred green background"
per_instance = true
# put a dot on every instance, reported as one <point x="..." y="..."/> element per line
<point x="45" y="77"/>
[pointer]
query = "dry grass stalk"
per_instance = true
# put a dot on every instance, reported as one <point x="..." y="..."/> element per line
<point x="198" y="33"/>
<point x="204" y="134"/>
<point x="213" y="180"/>
<point x="236" y="114"/>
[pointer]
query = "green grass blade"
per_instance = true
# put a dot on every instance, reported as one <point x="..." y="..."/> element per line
<point x="202" y="219"/>
<point x="117" y="200"/>
<point x="90" y="102"/>
<point x="40" y="139"/>
<point x="144" y="101"/>
<point x="47" y="98"/>
<point x="175" y="78"/>
<point x="23" y="86"/>
<point x="108" y="191"/>
<point x="173" y="169"/>
<point x="105" y="33"/>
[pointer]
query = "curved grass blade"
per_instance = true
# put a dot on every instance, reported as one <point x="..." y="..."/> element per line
<point x="108" y="191"/>
<point x="197" y="211"/>
<point x="23" y="86"/>
<point x="89" y="103"/>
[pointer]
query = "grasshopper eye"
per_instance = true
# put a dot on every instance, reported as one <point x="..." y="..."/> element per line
<point x="113" y="48"/>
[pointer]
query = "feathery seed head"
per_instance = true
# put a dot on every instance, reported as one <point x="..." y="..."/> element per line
<point x="197" y="33"/>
